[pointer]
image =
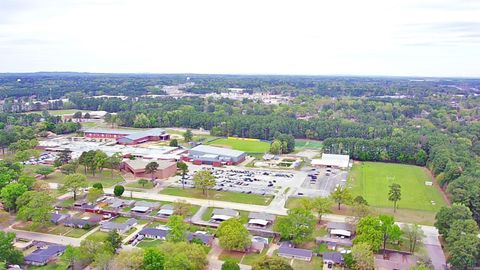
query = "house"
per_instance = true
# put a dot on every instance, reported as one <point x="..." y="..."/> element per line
<point x="154" y="233"/>
<point x="119" y="203"/>
<point x="44" y="255"/>
<point x="260" y="220"/>
<point x="151" y="205"/>
<point x="82" y="223"/>
<point x="219" y="215"/>
<point x="258" y="244"/>
<point x="216" y="156"/>
<point x="140" y="209"/>
<point x="119" y="227"/>
<point x="57" y="218"/>
<point x="204" y="237"/>
<point x="79" y="203"/>
<point x="289" y="252"/>
<point x="136" y="167"/>
<point x="127" y="137"/>
<point x="335" y="161"/>
<point x="340" y="229"/>
<point x="166" y="210"/>
<point x="331" y="259"/>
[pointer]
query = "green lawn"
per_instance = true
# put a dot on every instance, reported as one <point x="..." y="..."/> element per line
<point x="105" y="177"/>
<point x="372" y="180"/>
<point x="218" y="195"/>
<point x="308" y="144"/>
<point x="251" y="258"/>
<point x="149" y="243"/>
<point x="316" y="263"/>
<point x="242" y="145"/>
<point x="148" y="185"/>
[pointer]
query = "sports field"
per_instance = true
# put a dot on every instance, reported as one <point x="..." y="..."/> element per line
<point x="251" y="146"/>
<point x="308" y="144"/>
<point x="372" y="181"/>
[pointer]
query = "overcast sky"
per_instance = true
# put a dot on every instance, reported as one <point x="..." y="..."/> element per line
<point x="351" y="37"/>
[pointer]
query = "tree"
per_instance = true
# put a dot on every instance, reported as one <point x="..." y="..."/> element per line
<point x="10" y="193"/>
<point x="71" y="256"/>
<point x="114" y="239"/>
<point x="27" y="180"/>
<point x="233" y="235"/>
<point x="447" y="215"/>
<point x="173" y="143"/>
<point x="142" y="182"/>
<point x="113" y="162"/>
<point x="306" y="203"/>
<point x="230" y="265"/>
<point x="153" y="260"/>
<point x="36" y="207"/>
<point x="272" y="263"/>
<point x="395" y="195"/>
<point x="181" y="208"/>
<point x="276" y="147"/>
<point x="8" y="253"/>
<point x="414" y="234"/>
<point x="41" y="186"/>
<point x="204" y="180"/>
<point x="44" y="171"/>
<point x="118" y="190"/>
<point x="188" y="135"/>
<point x="68" y="168"/>
<point x="98" y="185"/>
<point x="360" y="210"/>
<point x="129" y="260"/>
<point x="194" y="252"/>
<point x="183" y="167"/>
<point x="73" y="183"/>
<point x="464" y="252"/>
<point x="461" y="227"/>
<point x="77" y="115"/>
<point x="177" y="229"/>
<point x="151" y="168"/>
<point x="341" y="195"/>
<point x="322" y="206"/>
<point x="94" y="194"/>
<point x="390" y="230"/>
<point x="369" y="231"/>
<point x="363" y="256"/>
<point x="360" y="200"/>
<point x="178" y="261"/>
<point x="297" y="226"/>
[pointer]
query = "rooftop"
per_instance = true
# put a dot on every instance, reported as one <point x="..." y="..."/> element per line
<point x="339" y="226"/>
<point x="217" y="151"/>
<point x="44" y="254"/>
<point x="154" y="232"/>
<point x="341" y="161"/>
<point x="336" y="257"/>
<point x="225" y="212"/>
<point x="138" y="164"/>
<point x="145" y="133"/>
<point x="263" y="216"/>
<point x="290" y="251"/>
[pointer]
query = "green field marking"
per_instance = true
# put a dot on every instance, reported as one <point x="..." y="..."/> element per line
<point x="372" y="180"/>
<point x="242" y="145"/>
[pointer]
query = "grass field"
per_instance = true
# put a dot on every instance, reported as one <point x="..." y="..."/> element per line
<point x="242" y="145"/>
<point x="308" y="144"/>
<point x="104" y="177"/>
<point x="218" y="195"/>
<point x="372" y="180"/>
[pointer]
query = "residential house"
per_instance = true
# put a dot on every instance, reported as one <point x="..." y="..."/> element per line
<point x="57" y="218"/>
<point x="332" y="259"/>
<point x="44" y="255"/>
<point x="289" y="252"/>
<point x="154" y="233"/>
<point x="119" y="227"/>
<point x="205" y="238"/>
<point x="260" y="220"/>
<point x="219" y="215"/>
<point x="340" y="229"/>
<point x="166" y="210"/>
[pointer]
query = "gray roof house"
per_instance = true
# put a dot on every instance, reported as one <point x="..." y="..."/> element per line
<point x="295" y="253"/>
<point x="82" y="223"/>
<point x="206" y="238"/>
<point x="42" y="256"/>
<point x="119" y="227"/>
<point x="58" y="218"/>
<point x="260" y="219"/>
<point x="330" y="259"/>
<point x="117" y="203"/>
<point x="151" y="205"/>
<point x="166" y="210"/>
<point x="154" y="233"/>
<point x="223" y="214"/>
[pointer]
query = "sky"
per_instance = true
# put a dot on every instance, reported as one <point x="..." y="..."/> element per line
<point x="342" y="37"/>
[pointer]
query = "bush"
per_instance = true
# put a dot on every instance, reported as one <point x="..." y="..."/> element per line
<point x="230" y="265"/>
<point x="98" y="186"/>
<point x="118" y="190"/>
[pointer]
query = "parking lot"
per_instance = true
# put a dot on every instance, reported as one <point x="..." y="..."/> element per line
<point x="322" y="181"/>
<point x="245" y="180"/>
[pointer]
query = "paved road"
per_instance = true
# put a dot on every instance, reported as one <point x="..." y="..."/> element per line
<point x="49" y="238"/>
